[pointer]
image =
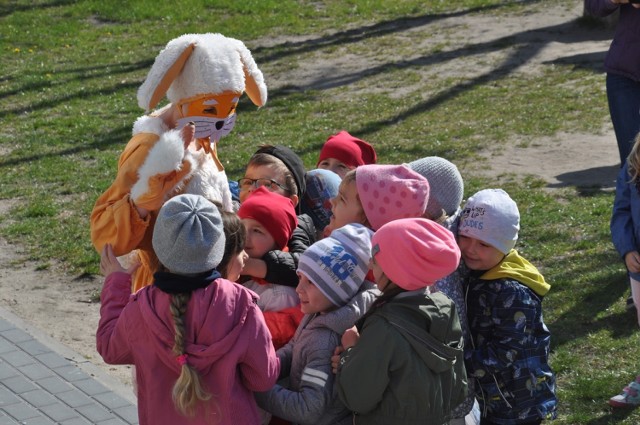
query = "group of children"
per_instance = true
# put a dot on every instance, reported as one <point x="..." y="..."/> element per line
<point x="353" y="293"/>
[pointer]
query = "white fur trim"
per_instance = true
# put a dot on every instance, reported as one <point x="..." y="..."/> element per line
<point x="216" y="65"/>
<point x="209" y="182"/>
<point x="148" y="124"/>
<point x="165" y="156"/>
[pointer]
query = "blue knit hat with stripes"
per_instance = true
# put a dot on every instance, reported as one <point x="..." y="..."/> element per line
<point x="339" y="263"/>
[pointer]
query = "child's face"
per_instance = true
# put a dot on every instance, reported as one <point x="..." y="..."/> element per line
<point x="382" y="281"/>
<point x="346" y="207"/>
<point x="263" y="172"/>
<point x="259" y="240"/>
<point x="338" y="167"/>
<point x="312" y="300"/>
<point x="478" y="255"/>
<point x="236" y="264"/>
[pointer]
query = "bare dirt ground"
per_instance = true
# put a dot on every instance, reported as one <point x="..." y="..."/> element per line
<point x="61" y="305"/>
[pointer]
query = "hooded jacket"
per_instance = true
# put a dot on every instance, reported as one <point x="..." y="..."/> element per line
<point x="309" y="397"/>
<point x="509" y="352"/>
<point x="226" y="341"/>
<point x="625" y="231"/>
<point x="407" y="366"/>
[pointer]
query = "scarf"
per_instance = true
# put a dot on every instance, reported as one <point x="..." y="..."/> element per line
<point x="171" y="283"/>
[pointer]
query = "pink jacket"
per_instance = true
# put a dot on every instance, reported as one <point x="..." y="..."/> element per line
<point x="226" y="340"/>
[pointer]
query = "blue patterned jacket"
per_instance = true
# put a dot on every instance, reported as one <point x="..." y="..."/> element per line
<point x="509" y="352"/>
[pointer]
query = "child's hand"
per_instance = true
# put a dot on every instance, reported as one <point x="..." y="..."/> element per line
<point x="109" y="262"/>
<point x="255" y="267"/>
<point x="632" y="260"/>
<point x="335" y="359"/>
<point x="350" y="337"/>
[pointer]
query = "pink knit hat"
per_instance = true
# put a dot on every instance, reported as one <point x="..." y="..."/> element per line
<point x="415" y="252"/>
<point x="390" y="192"/>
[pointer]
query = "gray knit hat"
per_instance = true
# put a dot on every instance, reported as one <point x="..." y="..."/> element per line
<point x="445" y="182"/>
<point x="188" y="237"/>
<point x="339" y="263"/>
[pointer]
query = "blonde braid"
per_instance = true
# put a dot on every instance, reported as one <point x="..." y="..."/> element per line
<point x="188" y="389"/>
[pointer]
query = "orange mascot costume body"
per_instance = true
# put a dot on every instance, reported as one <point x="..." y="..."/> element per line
<point x="203" y="76"/>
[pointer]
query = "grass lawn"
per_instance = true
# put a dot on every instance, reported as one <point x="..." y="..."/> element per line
<point x="70" y="71"/>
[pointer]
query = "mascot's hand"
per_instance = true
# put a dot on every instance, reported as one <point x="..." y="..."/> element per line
<point x="160" y="186"/>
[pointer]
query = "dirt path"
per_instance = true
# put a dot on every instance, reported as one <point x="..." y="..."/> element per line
<point x="61" y="305"/>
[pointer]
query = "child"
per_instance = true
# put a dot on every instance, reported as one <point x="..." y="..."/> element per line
<point x="281" y="171"/>
<point x="376" y="194"/>
<point x="625" y="233"/>
<point x="446" y="189"/>
<point x="332" y="273"/>
<point x="269" y="220"/>
<point x="234" y="257"/>
<point x="199" y="342"/>
<point x="342" y="152"/>
<point x="322" y="187"/>
<point x="403" y="362"/>
<point x="509" y="352"/>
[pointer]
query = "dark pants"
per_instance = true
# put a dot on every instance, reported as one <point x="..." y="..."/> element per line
<point x="623" y="95"/>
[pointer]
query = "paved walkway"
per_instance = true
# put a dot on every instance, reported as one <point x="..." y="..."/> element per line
<point x="43" y="382"/>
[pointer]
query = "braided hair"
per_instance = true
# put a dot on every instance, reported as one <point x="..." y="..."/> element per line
<point x="188" y="389"/>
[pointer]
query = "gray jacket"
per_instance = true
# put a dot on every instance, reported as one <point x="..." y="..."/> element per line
<point x="309" y="396"/>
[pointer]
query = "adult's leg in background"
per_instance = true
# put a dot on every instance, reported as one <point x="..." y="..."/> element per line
<point x="623" y="95"/>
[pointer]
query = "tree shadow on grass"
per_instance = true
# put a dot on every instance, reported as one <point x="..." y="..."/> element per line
<point x="115" y="136"/>
<point x="9" y="7"/>
<point x="595" y="297"/>
<point x="528" y="44"/>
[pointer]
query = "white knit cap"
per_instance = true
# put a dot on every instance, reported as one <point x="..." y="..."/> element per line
<point x="492" y="217"/>
<point x="445" y="184"/>
<point x="339" y="263"/>
<point x="188" y="236"/>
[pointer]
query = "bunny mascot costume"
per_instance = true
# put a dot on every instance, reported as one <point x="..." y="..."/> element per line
<point x="174" y="149"/>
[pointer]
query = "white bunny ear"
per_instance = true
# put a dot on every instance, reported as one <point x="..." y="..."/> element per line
<point x="167" y="66"/>
<point x="255" y="87"/>
<point x="195" y="64"/>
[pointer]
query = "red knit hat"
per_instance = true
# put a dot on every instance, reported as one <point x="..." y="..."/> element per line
<point x="347" y="149"/>
<point x="415" y="252"/>
<point x="275" y="212"/>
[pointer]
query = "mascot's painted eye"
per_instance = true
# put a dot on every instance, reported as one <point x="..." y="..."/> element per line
<point x="212" y="111"/>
